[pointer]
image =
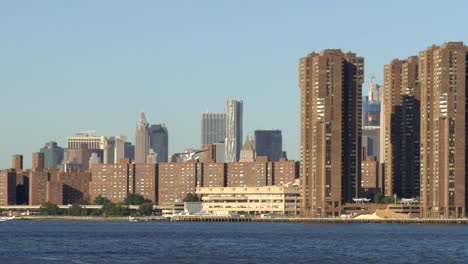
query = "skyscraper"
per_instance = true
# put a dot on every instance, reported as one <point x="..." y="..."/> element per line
<point x="331" y="88"/>
<point x="53" y="155"/>
<point x="142" y="140"/>
<point x="443" y="80"/>
<point x="269" y="143"/>
<point x="213" y="128"/>
<point x="400" y="128"/>
<point x="233" y="142"/>
<point x="159" y="141"/>
<point x="119" y="148"/>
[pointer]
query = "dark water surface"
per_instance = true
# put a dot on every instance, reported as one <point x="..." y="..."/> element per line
<point x="181" y="242"/>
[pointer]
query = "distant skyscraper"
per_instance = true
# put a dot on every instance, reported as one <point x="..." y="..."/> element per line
<point x="269" y="143"/>
<point x="233" y="142"/>
<point x="159" y="141"/>
<point x="247" y="153"/>
<point x="331" y="90"/>
<point x="94" y="159"/>
<point x="93" y="143"/>
<point x="53" y="155"/>
<point x="374" y="92"/>
<point x="213" y="128"/>
<point x="152" y="157"/>
<point x="119" y="148"/>
<point x="142" y="142"/>
<point x="129" y="151"/>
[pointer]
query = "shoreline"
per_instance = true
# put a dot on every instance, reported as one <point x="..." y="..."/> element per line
<point x="193" y="218"/>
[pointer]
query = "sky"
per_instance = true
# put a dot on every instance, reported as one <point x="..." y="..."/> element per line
<point x="69" y="66"/>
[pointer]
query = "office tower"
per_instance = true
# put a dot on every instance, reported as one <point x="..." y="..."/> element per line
<point x="87" y="137"/>
<point x="374" y="91"/>
<point x="78" y="158"/>
<point x="94" y="159"/>
<point x="233" y="141"/>
<point x="401" y="97"/>
<point x="37" y="161"/>
<point x="269" y="143"/>
<point x="142" y="142"/>
<point x="53" y="155"/>
<point x="119" y="148"/>
<point x="159" y="141"/>
<point x="109" y="151"/>
<point x="152" y="157"/>
<point x="17" y="162"/>
<point x="247" y="153"/>
<point x="442" y="77"/>
<point x="129" y="151"/>
<point x="93" y="143"/>
<point x="331" y="88"/>
<point x="213" y="128"/>
<point x="371" y="141"/>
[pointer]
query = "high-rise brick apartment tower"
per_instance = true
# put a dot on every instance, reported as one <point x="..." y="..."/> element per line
<point x="400" y="128"/>
<point x="331" y="88"/>
<point x="443" y="80"/>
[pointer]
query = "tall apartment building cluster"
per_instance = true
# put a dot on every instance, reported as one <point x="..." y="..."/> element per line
<point x="423" y="131"/>
<point x="331" y="88"/>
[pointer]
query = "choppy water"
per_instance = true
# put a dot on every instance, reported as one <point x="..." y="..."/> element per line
<point x="181" y="242"/>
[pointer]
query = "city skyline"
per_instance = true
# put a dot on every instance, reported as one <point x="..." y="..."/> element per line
<point x="114" y="58"/>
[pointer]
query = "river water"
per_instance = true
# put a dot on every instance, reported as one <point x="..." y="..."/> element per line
<point x="185" y="242"/>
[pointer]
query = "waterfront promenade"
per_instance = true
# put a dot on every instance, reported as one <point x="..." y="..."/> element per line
<point x="210" y="218"/>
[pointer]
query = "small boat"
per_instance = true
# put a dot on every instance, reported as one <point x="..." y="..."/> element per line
<point x="6" y="218"/>
<point x="132" y="219"/>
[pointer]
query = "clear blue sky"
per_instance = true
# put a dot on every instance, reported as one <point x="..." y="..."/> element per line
<point x="68" y="66"/>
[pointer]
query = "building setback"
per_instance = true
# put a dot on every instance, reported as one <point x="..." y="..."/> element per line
<point x="331" y="88"/>
<point x="400" y="128"/>
<point x="443" y="80"/>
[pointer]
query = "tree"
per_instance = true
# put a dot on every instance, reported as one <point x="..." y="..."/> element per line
<point x="145" y="209"/>
<point x="49" y="208"/>
<point x="101" y="200"/>
<point x="75" y="210"/>
<point x="379" y="198"/>
<point x="191" y="198"/>
<point x="134" y="199"/>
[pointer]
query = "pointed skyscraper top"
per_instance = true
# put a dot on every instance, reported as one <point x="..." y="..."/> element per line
<point x="248" y="145"/>
<point x="142" y="117"/>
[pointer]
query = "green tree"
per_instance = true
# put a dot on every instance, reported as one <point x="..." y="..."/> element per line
<point x="379" y="198"/>
<point x="49" y="208"/>
<point x="134" y="199"/>
<point x="75" y="210"/>
<point x="145" y="209"/>
<point x="111" y="209"/>
<point x="191" y="198"/>
<point x="101" y="200"/>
